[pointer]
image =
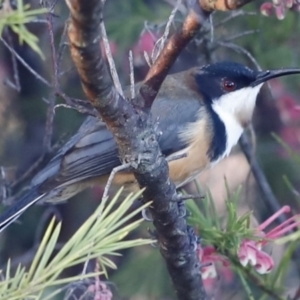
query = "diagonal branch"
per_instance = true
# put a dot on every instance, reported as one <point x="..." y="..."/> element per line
<point x="169" y="53"/>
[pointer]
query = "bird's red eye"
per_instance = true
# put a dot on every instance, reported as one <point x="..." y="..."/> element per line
<point x="228" y="85"/>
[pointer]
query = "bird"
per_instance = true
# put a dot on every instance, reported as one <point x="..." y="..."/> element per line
<point x="200" y="114"/>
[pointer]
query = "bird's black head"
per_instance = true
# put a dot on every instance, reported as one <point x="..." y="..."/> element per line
<point x="229" y="91"/>
<point x="221" y="78"/>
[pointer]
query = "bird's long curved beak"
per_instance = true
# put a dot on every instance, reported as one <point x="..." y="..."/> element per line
<point x="263" y="76"/>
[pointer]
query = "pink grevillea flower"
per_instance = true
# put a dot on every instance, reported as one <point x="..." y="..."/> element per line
<point x="213" y="266"/>
<point x="208" y="258"/>
<point x="279" y="8"/>
<point x="250" y="251"/>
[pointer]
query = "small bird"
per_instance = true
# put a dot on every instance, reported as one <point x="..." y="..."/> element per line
<point x="201" y="113"/>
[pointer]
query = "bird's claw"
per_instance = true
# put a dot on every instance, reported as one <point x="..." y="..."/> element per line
<point x="194" y="239"/>
<point x="182" y="210"/>
<point x="146" y="214"/>
<point x="153" y="236"/>
<point x="184" y="197"/>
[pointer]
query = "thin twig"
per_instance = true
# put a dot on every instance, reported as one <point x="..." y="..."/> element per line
<point x="52" y="6"/>
<point x="80" y="109"/>
<point x="25" y="64"/>
<point x="53" y="52"/>
<point x="61" y="48"/>
<point x="55" y="82"/>
<point x="212" y="28"/>
<point x="62" y="73"/>
<point x="80" y="105"/>
<point x="40" y="21"/>
<point x="239" y="35"/>
<point x="147" y="59"/>
<point x="111" y="177"/>
<point x="86" y="264"/>
<point x="260" y="176"/>
<point x="14" y="64"/>
<point x="110" y="59"/>
<point x="4" y="189"/>
<point x="49" y="124"/>
<point x="242" y="50"/>
<point x="160" y="43"/>
<point x="132" y="89"/>
<point x="10" y="84"/>
<point x="234" y="14"/>
<point x="169" y="54"/>
<point x="97" y="283"/>
<point x="182" y="8"/>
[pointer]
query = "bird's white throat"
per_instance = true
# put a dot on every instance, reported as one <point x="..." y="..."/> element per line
<point x="230" y="107"/>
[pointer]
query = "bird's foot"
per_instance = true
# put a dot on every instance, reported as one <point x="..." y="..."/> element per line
<point x="181" y="209"/>
<point x="194" y="239"/>
<point x="184" y="197"/>
<point x="146" y="214"/>
<point x="153" y="236"/>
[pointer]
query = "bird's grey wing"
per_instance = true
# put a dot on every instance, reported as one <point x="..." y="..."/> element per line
<point x="94" y="155"/>
<point x="89" y="153"/>
<point x="92" y="152"/>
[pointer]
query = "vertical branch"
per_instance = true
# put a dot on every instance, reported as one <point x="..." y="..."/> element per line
<point x="260" y="176"/>
<point x="55" y="77"/>
<point x="136" y="138"/>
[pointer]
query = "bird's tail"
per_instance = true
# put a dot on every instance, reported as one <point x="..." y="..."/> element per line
<point x="14" y="211"/>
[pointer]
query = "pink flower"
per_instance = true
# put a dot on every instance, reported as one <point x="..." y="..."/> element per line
<point x="209" y="257"/>
<point x="212" y="265"/>
<point x="279" y="8"/>
<point x="250" y="251"/>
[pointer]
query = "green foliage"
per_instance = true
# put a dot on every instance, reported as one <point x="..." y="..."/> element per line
<point x="101" y="235"/>
<point x="16" y="20"/>
<point x="226" y="233"/>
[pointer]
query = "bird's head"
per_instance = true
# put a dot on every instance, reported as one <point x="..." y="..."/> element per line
<point x="232" y="88"/>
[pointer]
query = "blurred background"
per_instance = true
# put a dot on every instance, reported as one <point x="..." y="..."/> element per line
<point x="244" y="36"/>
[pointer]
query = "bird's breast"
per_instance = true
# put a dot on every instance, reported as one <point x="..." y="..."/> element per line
<point x="196" y="159"/>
